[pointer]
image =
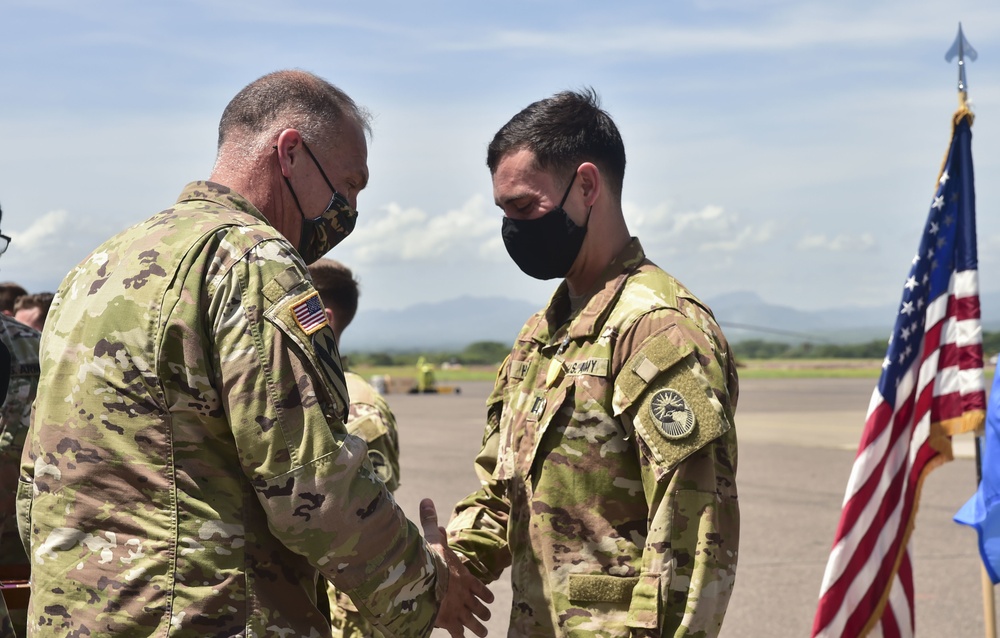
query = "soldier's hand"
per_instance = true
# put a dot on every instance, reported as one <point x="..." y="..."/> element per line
<point x="463" y="600"/>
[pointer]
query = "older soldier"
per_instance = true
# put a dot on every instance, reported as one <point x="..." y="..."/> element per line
<point x="187" y="470"/>
<point x="20" y="382"/>
<point x="609" y="457"/>
<point x="370" y="418"/>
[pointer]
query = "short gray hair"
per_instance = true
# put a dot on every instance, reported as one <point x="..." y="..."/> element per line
<point x="288" y="99"/>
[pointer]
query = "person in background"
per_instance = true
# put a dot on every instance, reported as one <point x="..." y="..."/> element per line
<point x="19" y="345"/>
<point x="370" y="419"/>
<point x="187" y="471"/>
<point x="608" y="465"/>
<point x="31" y="310"/>
<point x="9" y="292"/>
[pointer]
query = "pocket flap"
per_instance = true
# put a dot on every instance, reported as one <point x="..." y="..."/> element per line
<point x="644" y="610"/>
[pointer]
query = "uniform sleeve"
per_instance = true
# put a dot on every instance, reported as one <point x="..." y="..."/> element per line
<point x="674" y="393"/>
<point x="478" y="527"/>
<point x="284" y="394"/>
<point x="375" y="423"/>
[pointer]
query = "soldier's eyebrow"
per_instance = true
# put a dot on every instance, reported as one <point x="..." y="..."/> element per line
<point x="513" y="197"/>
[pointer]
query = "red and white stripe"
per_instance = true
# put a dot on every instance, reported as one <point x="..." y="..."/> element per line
<point x="944" y="382"/>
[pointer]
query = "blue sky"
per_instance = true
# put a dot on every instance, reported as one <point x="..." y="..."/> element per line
<point x="786" y="148"/>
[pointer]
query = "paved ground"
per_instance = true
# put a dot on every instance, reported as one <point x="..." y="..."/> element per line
<point x="797" y="442"/>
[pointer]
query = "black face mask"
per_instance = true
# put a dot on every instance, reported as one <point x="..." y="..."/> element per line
<point x="547" y="246"/>
<point x="322" y="233"/>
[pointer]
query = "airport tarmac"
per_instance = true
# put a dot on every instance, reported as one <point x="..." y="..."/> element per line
<point x="797" y="443"/>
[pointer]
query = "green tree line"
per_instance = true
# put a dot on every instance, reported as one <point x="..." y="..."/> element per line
<point x="761" y="349"/>
<point x="478" y="353"/>
<point x="493" y="352"/>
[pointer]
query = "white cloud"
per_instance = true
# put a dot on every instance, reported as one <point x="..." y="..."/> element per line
<point x="842" y="243"/>
<point x="793" y="26"/>
<point x="746" y="237"/>
<point x="413" y="235"/>
<point x="45" y="231"/>
<point x="709" y="229"/>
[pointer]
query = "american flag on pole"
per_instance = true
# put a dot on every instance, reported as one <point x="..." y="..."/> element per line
<point x="931" y="387"/>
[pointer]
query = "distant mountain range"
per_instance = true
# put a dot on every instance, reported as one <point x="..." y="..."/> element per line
<point x="455" y="323"/>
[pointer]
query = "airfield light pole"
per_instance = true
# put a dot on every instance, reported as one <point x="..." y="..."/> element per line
<point x="962" y="50"/>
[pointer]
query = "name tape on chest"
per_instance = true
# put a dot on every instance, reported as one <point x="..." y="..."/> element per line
<point x="595" y="366"/>
<point x="518" y="369"/>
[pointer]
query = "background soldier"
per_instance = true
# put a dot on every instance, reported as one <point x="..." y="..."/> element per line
<point x="9" y="292"/>
<point x="31" y="310"/>
<point x="370" y="418"/>
<point x="609" y="457"/>
<point x="188" y="470"/>
<point x="20" y="384"/>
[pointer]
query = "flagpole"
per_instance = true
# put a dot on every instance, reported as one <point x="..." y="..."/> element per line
<point x="989" y="605"/>
<point x="962" y="50"/>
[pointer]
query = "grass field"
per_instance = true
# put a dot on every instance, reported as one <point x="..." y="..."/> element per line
<point x="749" y="369"/>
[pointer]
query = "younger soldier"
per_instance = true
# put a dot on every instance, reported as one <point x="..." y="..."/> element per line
<point x="370" y="419"/>
<point x="609" y="458"/>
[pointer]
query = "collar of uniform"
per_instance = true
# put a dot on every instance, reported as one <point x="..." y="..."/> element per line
<point x="588" y="321"/>
<point x="219" y="194"/>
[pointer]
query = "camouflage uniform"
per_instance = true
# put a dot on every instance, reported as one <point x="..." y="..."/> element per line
<point x="187" y="469"/>
<point x="372" y="420"/>
<point x="15" y="414"/>
<point x="608" y="465"/>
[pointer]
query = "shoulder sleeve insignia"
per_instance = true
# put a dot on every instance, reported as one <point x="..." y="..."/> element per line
<point x="308" y="313"/>
<point x="381" y="465"/>
<point x="671" y="414"/>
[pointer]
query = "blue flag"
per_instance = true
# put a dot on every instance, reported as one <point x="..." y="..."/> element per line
<point x="983" y="509"/>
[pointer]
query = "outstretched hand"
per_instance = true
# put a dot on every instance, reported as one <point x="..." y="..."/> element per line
<point x="462" y="601"/>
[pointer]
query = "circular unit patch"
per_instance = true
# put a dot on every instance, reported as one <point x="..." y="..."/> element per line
<point x="672" y="414"/>
<point x="381" y="465"/>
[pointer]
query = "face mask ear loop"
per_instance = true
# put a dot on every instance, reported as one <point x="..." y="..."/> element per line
<point x="319" y="167"/>
<point x="291" y="190"/>
<point x="568" y="189"/>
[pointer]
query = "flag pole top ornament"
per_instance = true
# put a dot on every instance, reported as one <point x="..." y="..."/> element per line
<point x="962" y="50"/>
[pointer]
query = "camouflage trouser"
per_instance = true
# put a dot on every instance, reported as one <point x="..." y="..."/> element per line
<point x="346" y="620"/>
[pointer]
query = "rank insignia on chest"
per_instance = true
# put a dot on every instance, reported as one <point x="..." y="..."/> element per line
<point x="537" y="406"/>
<point x="672" y="414"/>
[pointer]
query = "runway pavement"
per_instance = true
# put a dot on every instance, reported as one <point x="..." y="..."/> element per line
<point x="797" y="440"/>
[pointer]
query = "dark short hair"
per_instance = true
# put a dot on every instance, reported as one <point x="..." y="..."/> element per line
<point x="564" y="131"/>
<point x="338" y="289"/>
<point x="41" y="300"/>
<point x="9" y="292"/>
<point x="291" y="99"/>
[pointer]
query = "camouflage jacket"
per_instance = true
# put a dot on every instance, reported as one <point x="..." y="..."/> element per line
<point x="608" y="465"/>
<point x="187" y="469"/>
<point x="371" y="419"/>
<point x="15" y="413"/>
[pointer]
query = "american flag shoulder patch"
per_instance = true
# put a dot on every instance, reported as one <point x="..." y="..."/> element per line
<point x="308" y="313"/>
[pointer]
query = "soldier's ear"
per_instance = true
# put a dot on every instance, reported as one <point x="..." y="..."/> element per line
<point x="288" y="147"/>
<point x="591" y="181"/>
